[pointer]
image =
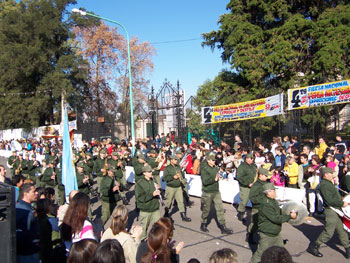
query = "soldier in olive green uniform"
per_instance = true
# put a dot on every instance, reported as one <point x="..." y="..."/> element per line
<point x="152" y="161"/>
<point x="147" y="200"/>
<point x="109" y="194"/>
<point x="331" y="198"/>
<point x="48" y="178"/>
<point x="11" y="161"/>
<point x="246" y="174"/>
<point x="88" y="163"/>
<point x="84" y="181"/>
<point x="33" y="167"/>
<point x="17" y="165"/>
<point x="25" y="166"/>
<point x="256" y="195"/>
<point x="119" y="174"/>
<point x="100" y="168"/>
<point x="211" y="194"/>
<point x="138" y="163"/>
<point x="270" y="222"/>
<point x="173" y="176"/>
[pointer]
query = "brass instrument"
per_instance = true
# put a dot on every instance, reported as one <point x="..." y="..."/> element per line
<point x="160" y="196"/>
<point x="160" y="160"/>
<point x="19" y="168"/>
<point x="105" y="167"/>
<point x="82" y="154"/>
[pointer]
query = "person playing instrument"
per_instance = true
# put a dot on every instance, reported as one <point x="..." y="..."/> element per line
<point x="83" y="179"/>
<point x="146" y="193"/>
<point x="138" y="164"/>
<point x="173" y="176"/>
<point x="99" y="168"/>
<point x="332" y="199"/>
<point x="246" y="174"/>
<point x="48" y="179"/>
<point x="256" y="195"/>
<point x="183" y="165"/>
<point x="110" y="195"/>
<point x="270" y="222"/>
<point x="211" y="195"/>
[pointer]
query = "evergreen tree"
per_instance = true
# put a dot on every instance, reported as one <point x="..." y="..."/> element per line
<point x="36" y="62"/>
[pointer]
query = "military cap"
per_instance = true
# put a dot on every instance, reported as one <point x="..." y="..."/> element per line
<point x="174" y="157"/>
<point x="153" y="151"/>
<point x="249" y="156"/>
<point x="211" y="156"/>
<point x="178" y="152"/>
<point x="26" y="155"/>
<point x="263" y="171"/>
<point x="88" y="153"/>
<point x="114" y="153"/>
<point x="268" y="187"/>
<point x="33" y="156"/>
<point x="80" y="164"/>
<point x="146" y="168"/>
<point x="112" y="169"/>
<point x="325" y="170"/>
<point x="103" y="151"/>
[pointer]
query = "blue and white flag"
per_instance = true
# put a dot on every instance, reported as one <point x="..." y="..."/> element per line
<point x="69" y="179"/>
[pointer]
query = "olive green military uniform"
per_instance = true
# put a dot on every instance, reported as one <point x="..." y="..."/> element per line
<point x="245" y="175"/>
<point x="173" y="187"/>
<point x="84" y="188"/>
<point x="11" y="161"/>
<point x="154" y="164"/>
<point x="32" y="169"/>
<point x="256" y="195"/>
<point x="25" y="168"/>
<point x="270" y="225"/>
<point x="109" y="198"/>
<point x="98" y="165"/>
<point x="331" y="198"/>
<point x="147" y="203"/>
<point x="119" y="174"/>
<point x="46" y="180"/>
<point x="211" y="194"/>
<point x="138" y="170"/>
<point x="60" y="192"/>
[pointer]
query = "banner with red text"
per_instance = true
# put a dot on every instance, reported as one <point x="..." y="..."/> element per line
<point x="260" y="108"/>
<point x="319" y="95"/>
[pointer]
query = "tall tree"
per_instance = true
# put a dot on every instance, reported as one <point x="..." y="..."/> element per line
<point x="36" y="62"/>
<point x="106" y="51"/>
<point x="280" y="44"/>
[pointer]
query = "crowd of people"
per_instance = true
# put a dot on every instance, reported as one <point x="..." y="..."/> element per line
<point x="53" y="228"/>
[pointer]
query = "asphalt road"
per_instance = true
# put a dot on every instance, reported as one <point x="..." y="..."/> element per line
<point x="201" y="245"/>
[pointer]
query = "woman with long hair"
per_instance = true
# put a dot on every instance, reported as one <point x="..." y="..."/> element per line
<point x="117" y="230"/>
<point x="75" y="226"/>
<point x="82" y="251"/>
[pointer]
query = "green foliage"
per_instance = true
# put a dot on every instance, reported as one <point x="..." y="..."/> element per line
<point x="35" y="57"/>
<point x="275" y="45"/>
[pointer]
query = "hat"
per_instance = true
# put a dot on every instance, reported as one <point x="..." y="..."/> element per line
<point x="268" y="187"/>
<point x="263" y="171"/>
<point x="325" y="170"/>
<point x="114" y="154"/>
<point x="146" y="168"/>
<point x="79" y="164"/>
<point x="88" y="154"/>
<point x="211" y="156"/>
<point x="173" y="156"/>
<point x="112" y="169"/>
<point x="248" y="155"/>
<point x="103" y="151"/>
<point x="178" y="152"/>
<point x="33" y="156"/>
<point x="153" y="151"/>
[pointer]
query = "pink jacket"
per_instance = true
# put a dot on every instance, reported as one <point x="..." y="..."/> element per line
<point x="276" y="180"/>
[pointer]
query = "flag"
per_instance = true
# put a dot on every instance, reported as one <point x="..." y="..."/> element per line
<point x="69" y="179"/>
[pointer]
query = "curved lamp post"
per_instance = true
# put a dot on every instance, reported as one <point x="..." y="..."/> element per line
<point x="84" y="13"/>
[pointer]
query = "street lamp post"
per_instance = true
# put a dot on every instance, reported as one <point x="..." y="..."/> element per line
<point x="84" y="13"/>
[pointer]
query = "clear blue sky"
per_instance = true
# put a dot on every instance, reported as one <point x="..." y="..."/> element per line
<point x="163" y="20"/>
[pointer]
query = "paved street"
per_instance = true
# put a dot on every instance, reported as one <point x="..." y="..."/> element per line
<point x="201" y="245"/>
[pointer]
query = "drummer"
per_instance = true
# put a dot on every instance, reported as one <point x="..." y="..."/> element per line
<point x="270" y="222"/>
<point x="331" y="199"/>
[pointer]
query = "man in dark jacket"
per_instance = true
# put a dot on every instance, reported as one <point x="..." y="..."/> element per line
<point x="331" y="199"/>
<point x="270" y="222"/>
<point x="27" y="227"/>
<point x="146" y="194"/>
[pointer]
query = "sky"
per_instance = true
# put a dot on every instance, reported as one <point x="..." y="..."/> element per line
<point x="159" y="21"/>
